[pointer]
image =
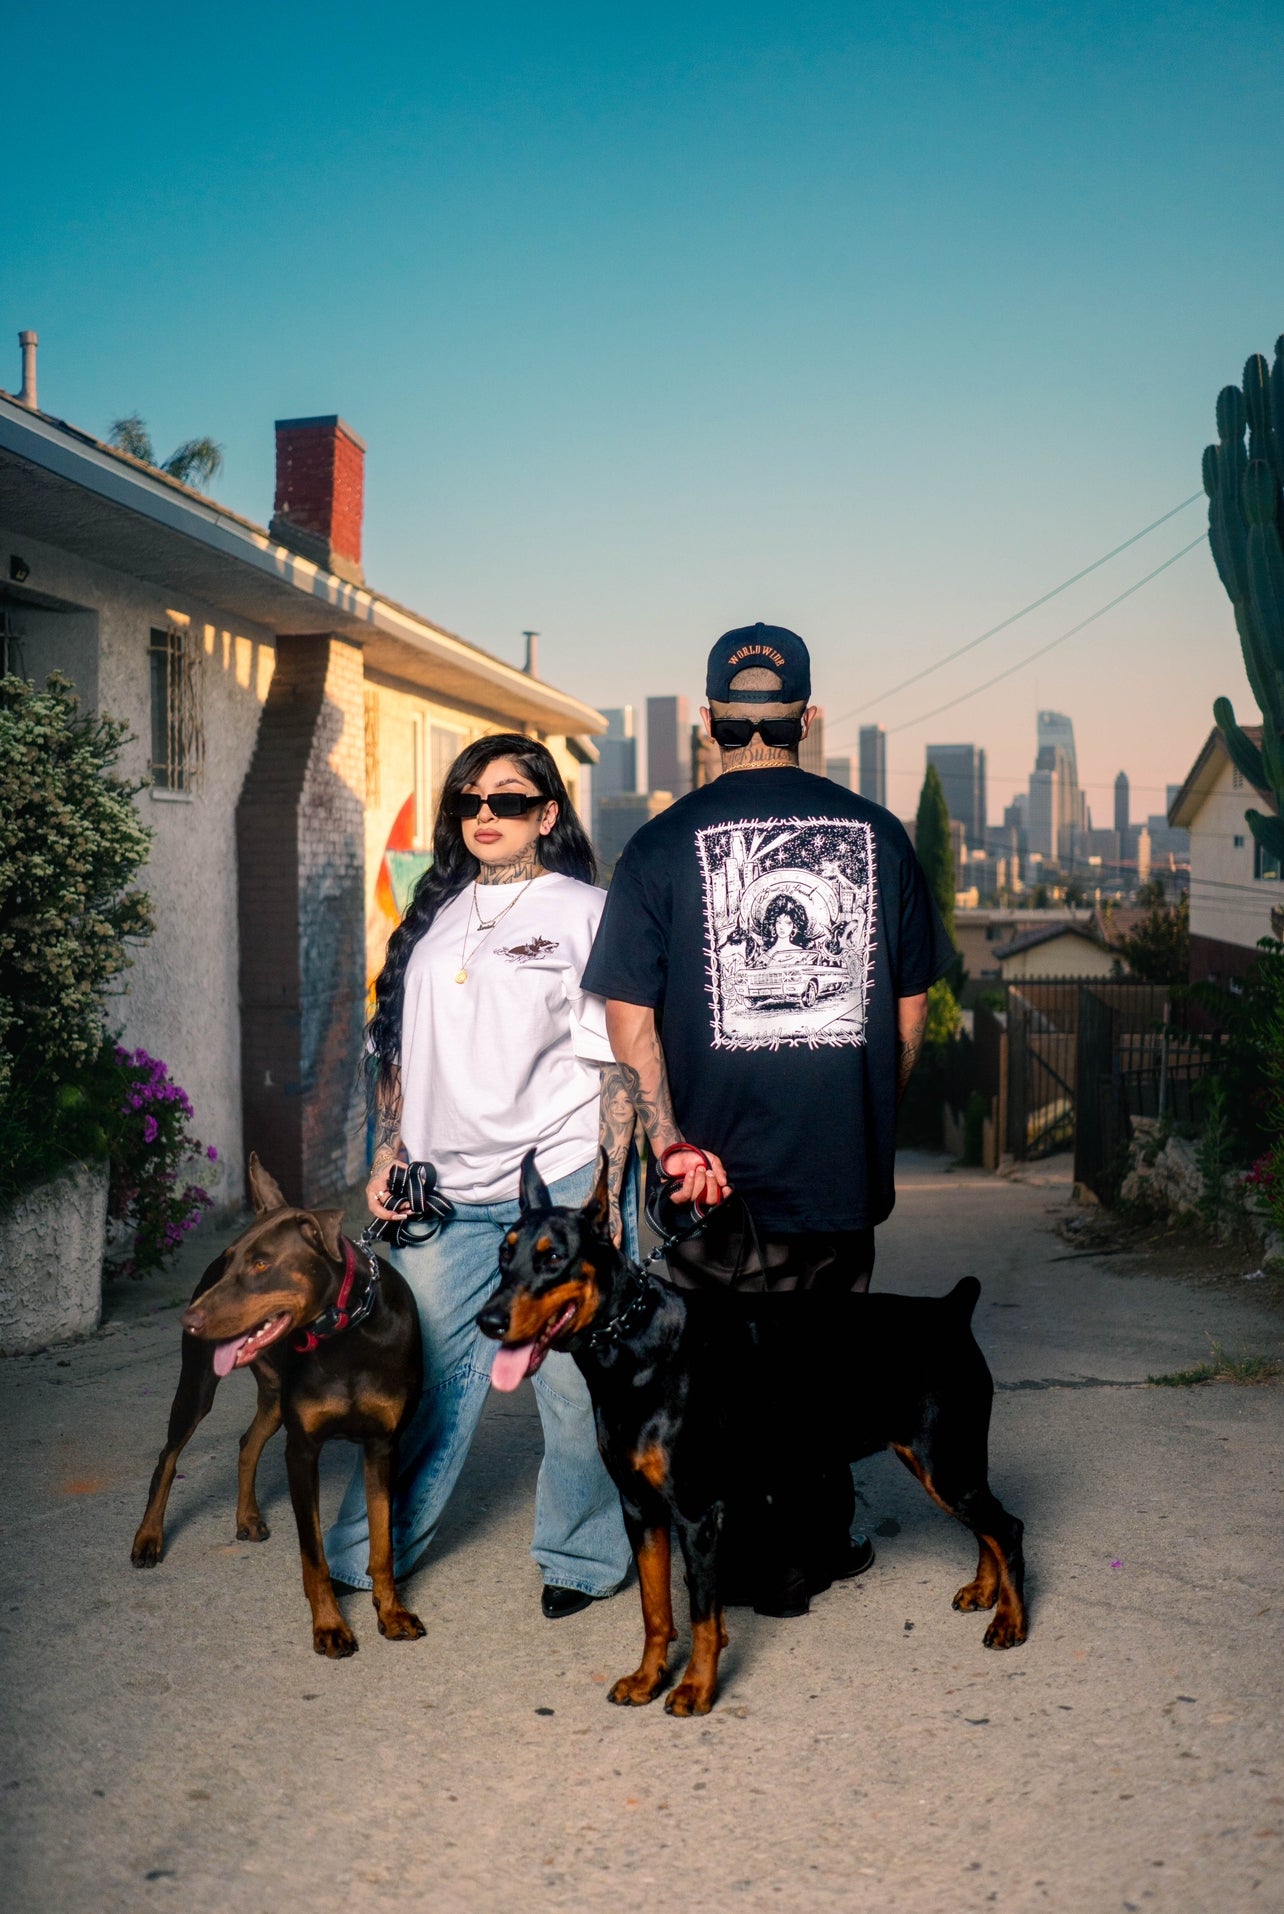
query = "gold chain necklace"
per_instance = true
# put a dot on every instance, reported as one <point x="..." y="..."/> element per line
<point x="461" y="975"/>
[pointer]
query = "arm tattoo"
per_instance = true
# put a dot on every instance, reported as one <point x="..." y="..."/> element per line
<point x="647" y="1087"/>
<point x="907" y="1057"/>
<point x="616" y="1124"/>
<point x="387" y="1129"/>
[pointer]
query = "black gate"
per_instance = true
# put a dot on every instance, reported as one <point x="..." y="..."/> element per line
<point x="1042" y="1018"/>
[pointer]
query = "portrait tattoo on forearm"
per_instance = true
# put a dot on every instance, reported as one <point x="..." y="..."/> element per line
<point x="648" y="1091"/>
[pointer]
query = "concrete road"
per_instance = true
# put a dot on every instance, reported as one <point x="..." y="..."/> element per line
<point x="170" y="1741"/>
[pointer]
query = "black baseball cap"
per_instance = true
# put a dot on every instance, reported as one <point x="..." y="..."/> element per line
<point x="759" y="648"/>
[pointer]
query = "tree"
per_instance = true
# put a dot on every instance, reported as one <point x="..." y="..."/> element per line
<point x="935" y="847"/>
<point x="195" y="462"/>
<point x="1158" y="949"/>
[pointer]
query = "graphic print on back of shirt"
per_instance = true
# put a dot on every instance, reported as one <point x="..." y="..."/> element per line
<point x="789" y="930"/>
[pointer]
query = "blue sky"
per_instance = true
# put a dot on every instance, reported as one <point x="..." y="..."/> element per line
<point x="876" y="321"/>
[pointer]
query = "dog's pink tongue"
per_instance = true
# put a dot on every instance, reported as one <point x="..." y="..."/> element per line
<point x="511" y="1366"/>
<point x="225" y="1354"/>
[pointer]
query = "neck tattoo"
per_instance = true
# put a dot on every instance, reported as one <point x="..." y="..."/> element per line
<point x="517" y="870"/>
<point x="759" y="757"/>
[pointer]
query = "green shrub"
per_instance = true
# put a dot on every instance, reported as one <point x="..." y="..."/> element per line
<point x="71" y="843"/>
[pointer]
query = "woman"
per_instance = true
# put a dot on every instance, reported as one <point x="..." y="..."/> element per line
<point x="483" y="1044"/>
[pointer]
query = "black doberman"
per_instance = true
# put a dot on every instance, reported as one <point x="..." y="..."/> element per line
<point x="333" y="1339"/>
<point x="673" y="1378"/>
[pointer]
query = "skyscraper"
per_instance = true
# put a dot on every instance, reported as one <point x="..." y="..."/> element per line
<point x="961" y="768"/>
<point x="840" y="771"/>
<point x="811" y="752"/>
<point x="668" y="745"/>
<point x="1057" y="814"/>
<point x="617" y="767"/>
<point x="1122" y="819"/>
<point x="873" y="763"/>
<point x="616" y="770"/>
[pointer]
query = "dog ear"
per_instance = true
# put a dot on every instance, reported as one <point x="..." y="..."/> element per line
<point x="326" y="1226"/>
<point x="265" y="1191"/>
<point x="533" y="1193"/>
<point x="598" y="1208"/>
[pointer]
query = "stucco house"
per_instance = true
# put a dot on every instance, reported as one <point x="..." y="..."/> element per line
<point x="1236" y="893"/>
<point x="295" y="725"/>
<point x="1058" y="950"/>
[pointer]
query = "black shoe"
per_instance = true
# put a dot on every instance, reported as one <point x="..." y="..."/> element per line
<point x="785" y="1601"/>
<point x="852" y="1560"/>
<point x="557" y="1602"/>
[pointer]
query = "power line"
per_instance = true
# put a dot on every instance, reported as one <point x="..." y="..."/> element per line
<point x="1043" y="650"/>
<point x="1024" y="612"/>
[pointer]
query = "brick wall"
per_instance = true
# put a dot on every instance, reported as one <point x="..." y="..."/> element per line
<point x="301" y="889"/>
<point x="320" y="482"/>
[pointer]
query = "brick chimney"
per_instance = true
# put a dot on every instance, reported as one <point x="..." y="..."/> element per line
<point x="320" y="473"/>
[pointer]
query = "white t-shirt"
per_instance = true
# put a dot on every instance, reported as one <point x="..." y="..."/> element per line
<point x="508" y="1060"/>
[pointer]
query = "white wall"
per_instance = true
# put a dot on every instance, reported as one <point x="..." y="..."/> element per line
<point x="1226" y="901"/>
<point x="180" y="998"/>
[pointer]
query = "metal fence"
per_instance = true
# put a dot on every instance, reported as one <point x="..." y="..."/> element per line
<point x="1069" y="1062"/>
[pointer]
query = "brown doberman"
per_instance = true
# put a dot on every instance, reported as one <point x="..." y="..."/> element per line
<point x="332" y="1335"/>
<point x="677" y="1379"/>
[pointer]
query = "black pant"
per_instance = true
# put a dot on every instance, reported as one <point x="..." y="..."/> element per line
<point x="789" y="1519"/>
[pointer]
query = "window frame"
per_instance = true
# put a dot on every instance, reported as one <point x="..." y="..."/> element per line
<point x="176" y="711"/>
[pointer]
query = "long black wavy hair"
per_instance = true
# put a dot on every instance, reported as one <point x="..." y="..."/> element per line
<point x="565" y="849"/>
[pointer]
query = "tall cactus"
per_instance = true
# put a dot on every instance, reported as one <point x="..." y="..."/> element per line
<point x="1245" y="488"/>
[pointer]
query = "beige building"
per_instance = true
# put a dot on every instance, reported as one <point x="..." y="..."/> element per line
<point x="1058" y="950"/>
<point x="294" y="725"/>
<point x="980" y="935"/>
<point x="1236" y="893"/>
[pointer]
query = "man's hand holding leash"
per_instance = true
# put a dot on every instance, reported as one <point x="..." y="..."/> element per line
<point x="635" y="1041"/>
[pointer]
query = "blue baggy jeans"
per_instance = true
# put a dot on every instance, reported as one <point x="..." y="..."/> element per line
<point x="579" y="1531"/>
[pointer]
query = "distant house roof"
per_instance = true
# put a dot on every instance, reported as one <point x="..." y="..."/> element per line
<point x="1203" y="775"/>
<point x="61" y="485"/>
<point x="1047" y="934"/>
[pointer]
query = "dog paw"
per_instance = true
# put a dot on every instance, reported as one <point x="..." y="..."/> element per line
<point x="256" y="1530"/>
<point x="334" y="1643"/>
<point x="401" y="1626"/>
<point x="147" y="1550"/>
<point x="635" y="1691"/>
<point x="1006" y="1631"/>
<point x="975" y="1595"/>
<point x="687" y="1699"/>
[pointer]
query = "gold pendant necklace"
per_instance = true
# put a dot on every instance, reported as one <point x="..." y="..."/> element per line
<point x="461" y="975"/>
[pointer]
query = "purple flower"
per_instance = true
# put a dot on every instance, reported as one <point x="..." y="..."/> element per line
<point x="151" y="1129"/>
<point x="212" y="1154"/>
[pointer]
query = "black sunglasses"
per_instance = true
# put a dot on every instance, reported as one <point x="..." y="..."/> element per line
<point x="733" y="734"/>
<point x="500" y="803"/>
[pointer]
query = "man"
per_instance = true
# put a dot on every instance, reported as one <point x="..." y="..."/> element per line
<point x="766" y="952"/>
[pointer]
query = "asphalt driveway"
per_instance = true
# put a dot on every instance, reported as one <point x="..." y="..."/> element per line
<point x="170" y="1741"/>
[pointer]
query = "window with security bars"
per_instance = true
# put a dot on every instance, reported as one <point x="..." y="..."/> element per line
<point x="178" y="734"/>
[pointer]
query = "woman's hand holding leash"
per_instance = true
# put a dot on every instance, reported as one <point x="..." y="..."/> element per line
<point x="377" y="1188"/>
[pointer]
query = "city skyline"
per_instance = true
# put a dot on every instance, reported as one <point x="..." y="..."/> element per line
<point x="999" y="788"/>
<point x="972" y="234"/>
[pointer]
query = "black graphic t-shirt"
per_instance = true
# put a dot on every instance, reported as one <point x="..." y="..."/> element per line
<point x="772" y="920"/>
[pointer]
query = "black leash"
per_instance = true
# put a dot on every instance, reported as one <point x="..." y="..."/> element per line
<point x="621" y="1325"/>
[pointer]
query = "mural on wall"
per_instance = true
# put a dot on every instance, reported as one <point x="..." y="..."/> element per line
<point x="400" y="869"/>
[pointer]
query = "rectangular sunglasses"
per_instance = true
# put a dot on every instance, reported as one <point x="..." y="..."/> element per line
<point x="499" y="803"/>
<point x="733" y="734"/>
